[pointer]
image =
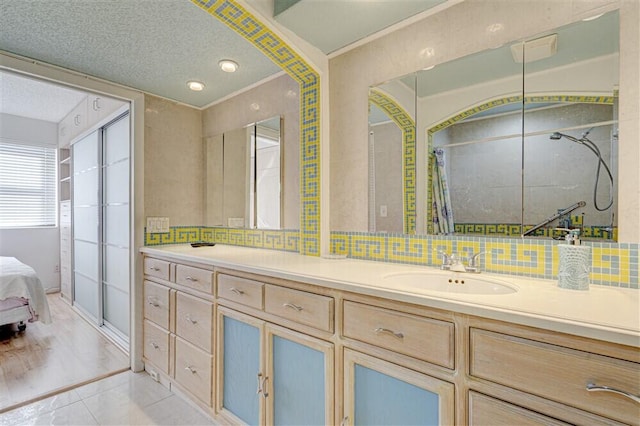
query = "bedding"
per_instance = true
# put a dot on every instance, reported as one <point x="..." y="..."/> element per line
<point x="22" y="295"/>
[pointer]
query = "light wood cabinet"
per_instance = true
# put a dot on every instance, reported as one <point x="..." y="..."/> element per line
<point x="271" y="375"/>
<point x="557" y="373"/>
<point x="262" y="350"/>
<point x="179" y="328"/>
<point x="380" y="392"/>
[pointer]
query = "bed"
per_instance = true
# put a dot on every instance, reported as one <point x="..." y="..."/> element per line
<point x="22" y="296"/>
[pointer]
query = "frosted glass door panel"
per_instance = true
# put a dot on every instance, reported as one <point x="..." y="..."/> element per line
<point x="382" y="399"/>
<point x="241" y="359"/>
<point x="116" y="224"/>
<point x="85" y="153"/>
<point x="116" y="267"/>
<point x="116" y="137"/>
<point x="85" y="256"/>
<point x="86" y="223"/>
<point x="85" y="188"/>
<point x="85" y="294"/>
<point x="116" y="308"/>
<point x="116" y="182"/>
<point x="298" y="384"/>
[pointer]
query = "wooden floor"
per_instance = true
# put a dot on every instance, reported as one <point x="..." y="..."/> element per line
<point x="50" y="358"/>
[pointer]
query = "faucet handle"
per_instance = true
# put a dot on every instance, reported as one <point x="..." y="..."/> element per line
<point x="446" y="259"/>
<point x="473" y="259"/>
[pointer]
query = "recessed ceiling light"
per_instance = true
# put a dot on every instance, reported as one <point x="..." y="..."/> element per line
<point x="196" y="86"/>
<point x="228" y="65"/>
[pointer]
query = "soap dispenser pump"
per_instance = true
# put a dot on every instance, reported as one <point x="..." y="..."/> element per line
<point x="575" y="262"/>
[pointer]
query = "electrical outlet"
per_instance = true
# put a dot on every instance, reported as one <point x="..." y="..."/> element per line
<point x="154" y="375"/>
<point x="383" y="211"/>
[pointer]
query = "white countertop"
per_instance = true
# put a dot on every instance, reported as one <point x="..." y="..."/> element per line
<point x="605" y="313"/>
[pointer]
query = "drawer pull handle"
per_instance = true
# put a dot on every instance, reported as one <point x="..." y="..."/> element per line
<point x="236" y="291"/>
<point x="292" y="306"/>
<point x="191" y="369"/>
<point x="191" y="320"/>
<point x="262" y="382"/>
<point x="155" y="268"/>
<point x="386" y="330"/>
<point x="189" y="278"/>
<point x="153" y="303"/>
<point x="154" y="345"/>
<point x="592" y="387"/>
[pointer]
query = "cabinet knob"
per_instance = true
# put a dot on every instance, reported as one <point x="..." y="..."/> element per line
<point x="191" y="320"/>
<point x="397" y="334"/>
<point x="292" y="306"/>
<point x="154" y="268"/>
<point x="236" y="291"/>
<point x="189" y="278"/>
<point x="592" y="387"/>
<point x="191" y="369"/>
<point x="153" y="303"/>
<point x="154" y="345"/>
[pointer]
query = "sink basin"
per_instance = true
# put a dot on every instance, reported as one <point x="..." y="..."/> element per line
<point x="449" y="283"/>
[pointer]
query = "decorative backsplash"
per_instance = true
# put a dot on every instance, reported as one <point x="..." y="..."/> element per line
<point x="612" y="264"/>
<point x="276" y="239"/>
<point x="515" y="230"/>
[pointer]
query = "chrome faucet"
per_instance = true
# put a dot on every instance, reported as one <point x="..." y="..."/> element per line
<point x="455" y="263"/>
<point x="473" y="264"/>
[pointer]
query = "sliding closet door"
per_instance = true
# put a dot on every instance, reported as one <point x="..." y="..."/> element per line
<point x="115" y="226"/>
<point x="86" y="224"/>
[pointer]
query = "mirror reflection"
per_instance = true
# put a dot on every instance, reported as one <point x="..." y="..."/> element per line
<point x="244" y="177"/>
<point x="520" y="139"/>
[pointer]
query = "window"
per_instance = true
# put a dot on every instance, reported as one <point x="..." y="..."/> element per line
<point x="27" y="186"/>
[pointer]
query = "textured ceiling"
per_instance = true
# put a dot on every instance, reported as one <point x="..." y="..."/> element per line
<point x="26" y="97"/>
<point x="152" y="45"/>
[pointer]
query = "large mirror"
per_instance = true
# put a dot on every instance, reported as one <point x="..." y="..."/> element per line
<point x="244" y="177"/>
<point x="521" y="139"/>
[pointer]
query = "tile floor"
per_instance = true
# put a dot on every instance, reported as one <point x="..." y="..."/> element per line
<point x="123" y="399"/>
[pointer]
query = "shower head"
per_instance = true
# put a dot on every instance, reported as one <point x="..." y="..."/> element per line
<point x="555" y="136"/>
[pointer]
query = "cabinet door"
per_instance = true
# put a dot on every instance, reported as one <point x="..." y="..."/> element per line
<point x="378" y="392"/>
<point x="299" y="379"/>
<point x="239" y="367"/>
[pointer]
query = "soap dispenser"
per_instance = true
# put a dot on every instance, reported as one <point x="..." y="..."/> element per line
<point x="575" y="262"/>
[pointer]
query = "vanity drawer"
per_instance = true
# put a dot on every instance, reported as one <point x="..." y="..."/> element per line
<point x="487" y="411"/>
<point x="424" y="338"/>
<point x="194" y="370"/>
<point x="556" y="373"/>
<point x="156" y="303"/>
<point x="299" y="306"/>
<point x="156" y="346"/>
<point x="156" y="268"/>
<point x="196" y="278"/>
<point x="194" y="319"/>
<point x="241" y="290"/>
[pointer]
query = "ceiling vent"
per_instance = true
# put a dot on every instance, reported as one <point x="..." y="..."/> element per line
<point x="534" y="50"/>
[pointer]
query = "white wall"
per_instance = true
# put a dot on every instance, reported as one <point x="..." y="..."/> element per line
<point x="37" y="247"/>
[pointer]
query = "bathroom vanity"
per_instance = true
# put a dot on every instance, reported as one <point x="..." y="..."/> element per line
<point x="267" y="337"/>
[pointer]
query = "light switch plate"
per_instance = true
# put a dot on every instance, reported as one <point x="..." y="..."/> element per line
<point x="157" y="225"/>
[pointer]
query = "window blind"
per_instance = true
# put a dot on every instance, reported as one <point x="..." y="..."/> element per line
<point x="28" y="184"/>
